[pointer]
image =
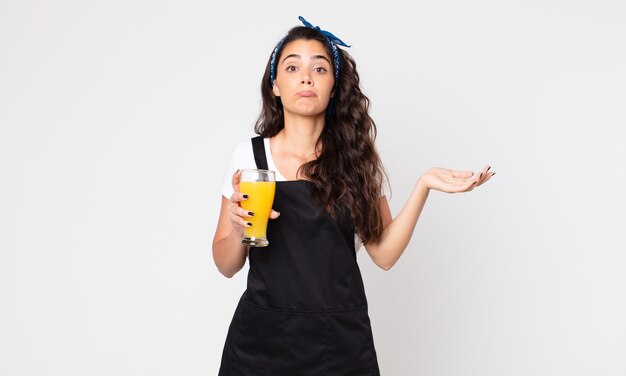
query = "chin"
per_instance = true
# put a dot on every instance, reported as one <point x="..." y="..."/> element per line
<point x="313" y="112"/>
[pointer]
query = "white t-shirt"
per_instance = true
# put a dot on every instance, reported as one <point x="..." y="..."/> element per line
<point x="243" y="157"/>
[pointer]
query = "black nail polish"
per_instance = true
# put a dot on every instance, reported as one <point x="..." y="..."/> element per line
<point x="488" y="168"/>
<point x="245" y="196"/>
<point x="251" y="214"/>
<point x="249" y="224"/>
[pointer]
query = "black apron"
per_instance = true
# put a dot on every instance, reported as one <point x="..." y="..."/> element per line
<point x="304" y="311"/>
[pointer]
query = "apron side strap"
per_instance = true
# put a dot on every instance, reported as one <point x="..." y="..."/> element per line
<point x="258" y="148"/>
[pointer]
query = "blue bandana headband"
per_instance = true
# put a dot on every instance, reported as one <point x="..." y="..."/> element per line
<point x="333" y="41"/>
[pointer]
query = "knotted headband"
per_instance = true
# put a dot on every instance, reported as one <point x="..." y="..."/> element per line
<point x="332" y="40"/>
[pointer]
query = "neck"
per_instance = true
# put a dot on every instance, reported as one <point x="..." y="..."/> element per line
<point x="300" y="134"/>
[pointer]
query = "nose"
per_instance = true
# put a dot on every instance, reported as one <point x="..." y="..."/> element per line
<point x="306" y="80"/>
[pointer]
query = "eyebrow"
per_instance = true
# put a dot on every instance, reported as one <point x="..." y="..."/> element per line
<point x="315" y="57"/>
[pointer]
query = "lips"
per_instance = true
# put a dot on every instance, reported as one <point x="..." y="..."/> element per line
<point x="306" y="93"/>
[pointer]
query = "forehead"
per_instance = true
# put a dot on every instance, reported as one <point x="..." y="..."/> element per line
<point x="304" y="48"/>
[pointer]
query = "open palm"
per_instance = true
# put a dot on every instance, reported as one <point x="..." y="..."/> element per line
<point x="451" y="181"/>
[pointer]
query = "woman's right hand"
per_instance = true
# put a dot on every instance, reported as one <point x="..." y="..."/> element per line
<point x="237" y="213"/>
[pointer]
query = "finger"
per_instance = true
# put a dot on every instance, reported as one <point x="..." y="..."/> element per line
<point x="484" y="175"/>
<point x="487" y="177"/>
<point x="485" y="171"/>
<point x="274" y="214"/>
<point x="239" y="216"/>
<point x="238" y="221"/>
<point x="478" y="178"/>
<point x="241" y="212"/>
<point x="470" y="187"/>
<point x="237" y="197"/>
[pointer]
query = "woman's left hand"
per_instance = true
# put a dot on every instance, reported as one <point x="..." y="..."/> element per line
<point x="450" y="181"/>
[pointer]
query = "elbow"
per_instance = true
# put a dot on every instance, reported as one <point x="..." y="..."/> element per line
<point x="386" y="267"/>
<point x="381" y="259"/>
<point x="225" y="269"/>
<point x="226" y="272"/>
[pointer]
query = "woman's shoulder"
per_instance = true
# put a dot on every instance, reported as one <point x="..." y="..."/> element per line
<point x="245" y="145"/>
<point x="242" y="157"/>
<point x="243" y="150"/>
<point x="242" y="145"/>
<point x="243" y="153"/>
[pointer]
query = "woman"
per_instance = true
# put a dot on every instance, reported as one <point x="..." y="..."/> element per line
<point x="304" y="311"/>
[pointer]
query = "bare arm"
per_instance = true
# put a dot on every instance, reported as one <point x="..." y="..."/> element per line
<point x="397" y="232"/>
<point x="228" y="252"/>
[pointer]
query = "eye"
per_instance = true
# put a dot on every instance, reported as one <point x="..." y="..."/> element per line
<point x="291" y="68"/>
<point x="320" y="70"/>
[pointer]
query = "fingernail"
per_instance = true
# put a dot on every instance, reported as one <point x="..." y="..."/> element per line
<point x="488" y="168"/>
<point x="251" y="214"/>
<point x="493" y="173"/>
<point x="245" y="196"/>
<point x="481" y="175"/>
<point x="249" y="224"/>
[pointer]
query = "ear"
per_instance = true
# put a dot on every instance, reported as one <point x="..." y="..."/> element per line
<point x="275" y="89"/>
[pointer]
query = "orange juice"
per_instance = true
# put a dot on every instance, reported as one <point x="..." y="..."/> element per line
<point x="260" y="200"/>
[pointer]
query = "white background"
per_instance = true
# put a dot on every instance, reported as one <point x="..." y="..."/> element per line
<point x="117" y="119"/>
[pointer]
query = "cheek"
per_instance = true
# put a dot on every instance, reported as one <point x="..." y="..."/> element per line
<point x="329" y="87"/>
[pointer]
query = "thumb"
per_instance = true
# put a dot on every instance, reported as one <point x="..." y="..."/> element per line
<point x="274" y="214"/>
<point x="236" y="179"/>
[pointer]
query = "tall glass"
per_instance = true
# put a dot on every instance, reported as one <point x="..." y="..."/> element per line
<point x="260" y="186"/>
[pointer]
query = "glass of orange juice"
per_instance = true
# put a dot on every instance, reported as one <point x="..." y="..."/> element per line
<point x="260" y="186"/>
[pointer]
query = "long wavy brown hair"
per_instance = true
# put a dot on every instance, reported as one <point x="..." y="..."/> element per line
<point x="348" y="173"/>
